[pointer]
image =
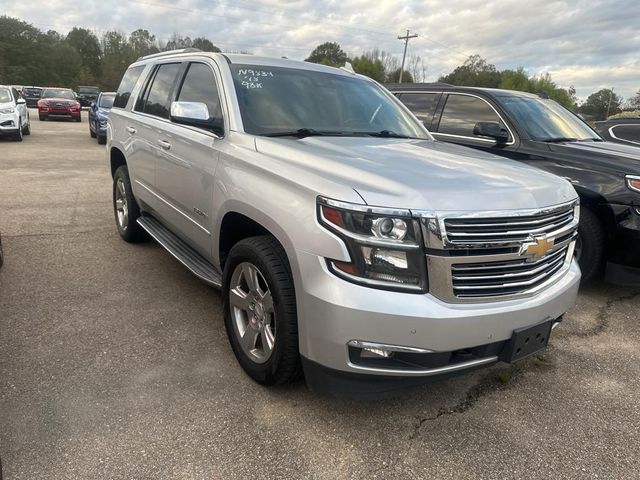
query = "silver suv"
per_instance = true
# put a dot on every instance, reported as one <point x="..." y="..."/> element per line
<point x="349" y="245"/>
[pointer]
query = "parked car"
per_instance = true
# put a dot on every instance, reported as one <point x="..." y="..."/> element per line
<point x="347" y="242"/>
<point x="98" y="114"/>
<point x="57" y="103"/>
<point x="14" y="114"/>
<point x="538" y="131"/>
<point x="87" y="95"/>
<point x="32" y="95"/>
<point x="620" y="130"/>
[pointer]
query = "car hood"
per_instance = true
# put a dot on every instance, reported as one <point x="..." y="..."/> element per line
<point x="7" y="105"/>
<point x="421" y="174"/>
<point x="56" y="99"/>
<point x="613" y="155"/>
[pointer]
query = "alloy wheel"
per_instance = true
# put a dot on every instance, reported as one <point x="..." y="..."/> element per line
<point x="122" y="208"/>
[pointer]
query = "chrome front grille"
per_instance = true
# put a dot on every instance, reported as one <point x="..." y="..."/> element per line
<point x="504" y="278"/>
<point x="473" y="231"/>
<point x="492" y="256"/>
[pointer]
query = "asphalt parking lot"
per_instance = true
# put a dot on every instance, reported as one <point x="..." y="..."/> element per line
<point x="114" y="364"/>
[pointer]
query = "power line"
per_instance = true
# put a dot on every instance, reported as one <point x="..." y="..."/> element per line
<point x="404" y="54"/>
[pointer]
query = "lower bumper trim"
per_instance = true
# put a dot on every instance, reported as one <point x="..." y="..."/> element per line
<point x="429" y="371"/>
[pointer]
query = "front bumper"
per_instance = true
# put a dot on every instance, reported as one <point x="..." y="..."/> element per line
<point x="9" y="124"/>
<point x="58" y="112"/>
<point x="334" y="312"/>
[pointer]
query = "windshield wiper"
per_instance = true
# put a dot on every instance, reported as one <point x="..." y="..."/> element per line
<point x="384" y="134"/>
<point x="304" y="132"/>
<point x="560" y="139"/>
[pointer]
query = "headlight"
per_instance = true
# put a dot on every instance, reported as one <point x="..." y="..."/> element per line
<point x="7" y="110"/>
<point x="384" y="245"/>
<point x="633" y="182"/>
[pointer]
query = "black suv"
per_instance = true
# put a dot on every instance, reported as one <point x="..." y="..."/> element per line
<point x="538" y="131"/>
<point x="87" y="95"/>
<point x="31" y="96"/>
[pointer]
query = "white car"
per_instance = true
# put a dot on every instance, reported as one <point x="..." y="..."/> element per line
<point x="14" y="114"/>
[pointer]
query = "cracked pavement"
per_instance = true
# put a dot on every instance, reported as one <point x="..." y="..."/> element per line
<point x="114" y="364"/>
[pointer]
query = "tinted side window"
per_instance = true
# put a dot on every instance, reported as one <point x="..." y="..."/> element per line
<point x="628" y="132"/>
<point x="199" y="85"/>
<point x="127" y="84"/>
<point x="423" y="105"/>
<point x="462" y="112"/>
<point x="158" y="100"/>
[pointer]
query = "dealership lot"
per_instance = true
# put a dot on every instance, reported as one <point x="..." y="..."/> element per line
<point x="114" y="363"/>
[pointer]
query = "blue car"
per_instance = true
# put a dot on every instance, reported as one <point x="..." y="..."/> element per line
<point x="98" y="114"/>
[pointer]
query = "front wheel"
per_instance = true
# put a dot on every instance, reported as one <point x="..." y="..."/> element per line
<point x="27" y="128"/>
<point x="125" y="208"/>
<point x="590" y="245"/>
<point x="18" y="136"/>
<point x="260" y="310"/>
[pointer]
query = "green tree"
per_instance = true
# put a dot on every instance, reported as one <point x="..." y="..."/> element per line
<point x="88" y="46"/>
<point x="142" y="43"/>
<point x="372" y="68"/>
<point x="328" y="53"/>
<point x="394" y="76"/>
<point x="515" y="80"/>
<point x="599" y="103"/>
<point x="475" y="72"/>
<point x="205" y="45"/>
<point x="634" y="102"/>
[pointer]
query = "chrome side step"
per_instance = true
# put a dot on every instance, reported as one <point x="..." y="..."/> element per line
<point x="186" y="255"/>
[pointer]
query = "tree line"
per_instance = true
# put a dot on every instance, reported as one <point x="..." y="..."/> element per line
<point x="29" y="56"/>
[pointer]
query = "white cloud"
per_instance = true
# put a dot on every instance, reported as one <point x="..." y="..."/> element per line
<point x="586" y="43"/>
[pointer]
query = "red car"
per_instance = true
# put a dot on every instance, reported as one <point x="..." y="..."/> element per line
<point x="59" y="102"/>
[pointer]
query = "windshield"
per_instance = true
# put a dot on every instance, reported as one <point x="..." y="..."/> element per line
<point x="546" y="120"/>
<point x="58" y="93"/>
<point x="276" y="100"/>
<point x="5" y="96"/>
<point x="87" y="89"/>
<point x="106" y="100"/>
<point x="34" y="92"/>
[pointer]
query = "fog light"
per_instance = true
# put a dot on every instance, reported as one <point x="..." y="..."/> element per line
<point x="378" y="352"/>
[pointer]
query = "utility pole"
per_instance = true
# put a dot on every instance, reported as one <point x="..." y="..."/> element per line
<point x="609" y="104"/>
<point x="404" y="55"/>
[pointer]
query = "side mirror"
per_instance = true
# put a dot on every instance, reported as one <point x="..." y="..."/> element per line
<point x="195" y="114"/>
<point x="492" y="130"/>
<point x="21" y="101"/>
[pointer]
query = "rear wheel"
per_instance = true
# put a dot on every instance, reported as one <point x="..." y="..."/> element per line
<point x="590" y="245"/>
<point x="27" y="128"/>
<point x="92" y="132"/>
<point x="260" y="310"/>
<point x="125" y="208"/>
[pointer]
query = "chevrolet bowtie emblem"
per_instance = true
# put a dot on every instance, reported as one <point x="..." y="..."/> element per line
<point x="538" y="248"/>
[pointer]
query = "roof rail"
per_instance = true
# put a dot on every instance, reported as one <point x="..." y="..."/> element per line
<point x="169" y="52"/>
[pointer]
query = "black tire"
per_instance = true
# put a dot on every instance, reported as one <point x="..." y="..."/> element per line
<point x="91" y="132"/>
<point x="42" y="118"/>
<point x="130" y="231"/>
<point x="265" y="253"/>
<point x="590" y="245"/>
<point x="79" y="119"/>
<point x="102" y="139"/>
<point x="27" y="130"/>
<point x="18" y="136"/>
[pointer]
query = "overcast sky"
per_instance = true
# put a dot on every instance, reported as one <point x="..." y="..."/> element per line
<point x="589" y="44"/>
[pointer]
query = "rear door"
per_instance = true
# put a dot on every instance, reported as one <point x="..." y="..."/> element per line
<point x="188" y="158"/>
<point x="145" y="127"/>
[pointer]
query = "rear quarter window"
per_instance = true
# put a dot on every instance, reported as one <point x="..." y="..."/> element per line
<point x="127" y="84"/>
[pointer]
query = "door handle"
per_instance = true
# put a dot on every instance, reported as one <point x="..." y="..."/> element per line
<point x="131" y="130"/>
<point x="164" y="144"/>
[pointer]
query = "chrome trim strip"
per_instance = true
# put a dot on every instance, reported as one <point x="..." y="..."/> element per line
<point x="613" y="135"/>
<point x="385" y="346"/>
<point x="159" y="197"/>
<point x="357" y="207"/>
<point x="429" y="371"/>
<point x="493" y="213"/>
